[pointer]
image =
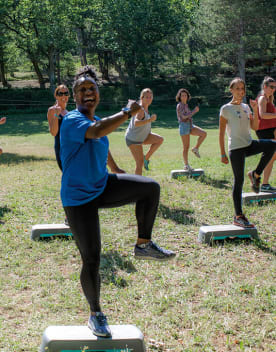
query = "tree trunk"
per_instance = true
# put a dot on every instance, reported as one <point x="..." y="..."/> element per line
<point x="104" y="64"/>
<point x="37" y="71"/>
<point x="241" y="54"/>
<point x="58" y="68"/>
<point x="131" y="79"/>
<point x="120" y="71"/>
<point x="51" y="58"/>
<point x="2" y="71"/>
<point x="82" y="46"/>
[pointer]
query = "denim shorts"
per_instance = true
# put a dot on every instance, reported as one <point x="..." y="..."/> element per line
<point x="185" y="128"/>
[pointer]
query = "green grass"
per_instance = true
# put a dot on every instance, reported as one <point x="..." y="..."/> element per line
<point x="219" y="298"/>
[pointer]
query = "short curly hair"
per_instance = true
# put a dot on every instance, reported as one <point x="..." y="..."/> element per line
<point x="86" y="71"/>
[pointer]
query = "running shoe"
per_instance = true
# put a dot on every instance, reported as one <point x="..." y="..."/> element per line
<point x="255" y="182"/>
<point x="242" y="221"/>
<point x="196" y="152"/>
<point x="268" y="188"/>
<point x="146" y="163"/>
<point x="98" y="324"/>
<point x="152" y="251"/>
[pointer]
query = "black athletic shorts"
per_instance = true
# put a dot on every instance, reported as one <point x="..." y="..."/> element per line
<point x="268" y="133"/>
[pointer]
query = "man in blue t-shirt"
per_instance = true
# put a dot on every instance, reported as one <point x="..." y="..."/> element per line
<point x="87" y="186"/>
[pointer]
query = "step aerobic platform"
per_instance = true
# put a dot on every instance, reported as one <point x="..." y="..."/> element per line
<point x="179" y="173"/>
<point x="125" y="338"/>
<point x="258" y="197"/>
<point x="42" y="231"/>
<point x="207" y="234"/>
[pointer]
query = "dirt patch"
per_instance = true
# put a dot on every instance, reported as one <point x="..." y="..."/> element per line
<point x="30" y="83"/>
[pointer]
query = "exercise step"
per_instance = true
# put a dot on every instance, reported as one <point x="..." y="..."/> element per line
<point x="80" y="338"/>
<point x="252" y="197"/>
<point x="42" y="231"/>
<point x="208" y="234"/>
<point x="180" y="173"/>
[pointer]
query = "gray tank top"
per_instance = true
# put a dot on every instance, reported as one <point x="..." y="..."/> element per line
<point x="138" y="133"/>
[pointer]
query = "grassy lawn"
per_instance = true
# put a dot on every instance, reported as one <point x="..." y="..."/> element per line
<point x="219" y="298"/>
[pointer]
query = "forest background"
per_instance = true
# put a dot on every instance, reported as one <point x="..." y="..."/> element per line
<point x="161" y="44"/>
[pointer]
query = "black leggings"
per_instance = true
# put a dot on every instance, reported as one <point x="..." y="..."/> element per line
<point x="121" y="189"/>
<point x="237" y="158"/>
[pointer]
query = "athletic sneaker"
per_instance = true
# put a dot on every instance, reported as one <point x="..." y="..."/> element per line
<point x="188" y="168"/>
<point x="98" y="324"/>
<point x="196" y="152"/>
<point x="152" y="251"/>
<point x="241" y="220"/>
<point x="255" y="182"/>
<point x="146" y="163"/>
<point x="267" y="188"/>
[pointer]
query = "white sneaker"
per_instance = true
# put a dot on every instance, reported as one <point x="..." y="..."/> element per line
<point x="188" y="168"/>
<point x="196" y="152"/>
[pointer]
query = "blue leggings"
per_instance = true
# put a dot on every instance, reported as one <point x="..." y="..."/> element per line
<point x="121" y="189"/>
<point x="237" y="158"/>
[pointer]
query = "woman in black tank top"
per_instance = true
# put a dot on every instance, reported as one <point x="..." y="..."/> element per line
<point x="55" y="116"/>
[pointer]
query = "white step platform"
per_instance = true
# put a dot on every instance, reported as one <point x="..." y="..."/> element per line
<point x="41" y="231"/>
<point x="179" y="173"/>
<point x="208" y="234"/>
<point x="125" y="338"/>
<point x="257" y="197"/>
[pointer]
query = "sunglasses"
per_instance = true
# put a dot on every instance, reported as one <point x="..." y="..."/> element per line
<point x="60" y="94"/>
<point x="272" y="87"/>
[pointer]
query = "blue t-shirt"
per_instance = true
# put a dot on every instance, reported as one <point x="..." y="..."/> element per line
<point x="83" y="161"/>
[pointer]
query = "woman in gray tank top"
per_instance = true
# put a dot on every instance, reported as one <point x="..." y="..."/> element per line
<point x="139" y="133"/>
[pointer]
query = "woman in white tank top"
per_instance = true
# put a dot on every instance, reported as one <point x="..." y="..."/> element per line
<point x="139" y="133"/>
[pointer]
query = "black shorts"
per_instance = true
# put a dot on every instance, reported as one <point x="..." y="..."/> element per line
<point x="268" y="133"/>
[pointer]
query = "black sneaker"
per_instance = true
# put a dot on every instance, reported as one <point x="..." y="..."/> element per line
<point x="255" y="182"/>
<point x="152" y="251"/>
<point x="98" y="324"/>
<point x="242" y="221"/>
<point x="268" y="188"/>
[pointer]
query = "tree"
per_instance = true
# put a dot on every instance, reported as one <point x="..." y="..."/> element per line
<point x="40" y="29"/>
<point x="235" y="32"/>
<point x="133" y="31"/>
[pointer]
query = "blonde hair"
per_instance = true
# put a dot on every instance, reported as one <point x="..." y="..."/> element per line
<point x="144" y="91"/>
<point x="266" y="82"/>
<point x="58" y="88"/>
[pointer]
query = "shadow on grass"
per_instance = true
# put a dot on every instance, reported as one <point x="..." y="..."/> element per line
<point x="246" y="241"/>
<point x="25" y="124"/>
<point x="180" y="216"/>
<point x="207" y="118"/>
<point x="214" y="183"/>
<point x="264" y="247"/>
<point x="11" y="158"/>
<point x="3" y="211"/>
<point x="111" y="263"/>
